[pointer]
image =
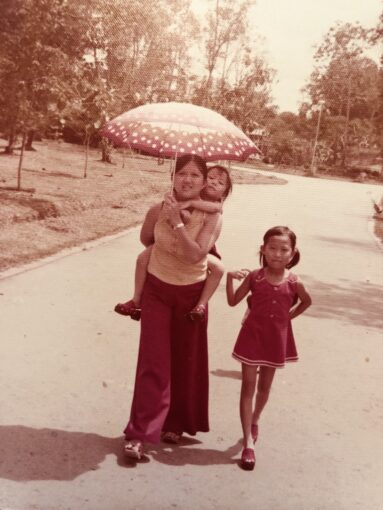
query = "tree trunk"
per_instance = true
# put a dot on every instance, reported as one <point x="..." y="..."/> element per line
<point x="345" y="145"/>
<point x="21" y="162"/>
<point x="30" y="137"/>
<point x="106" y="155"/>
<point x="11" y="141"/>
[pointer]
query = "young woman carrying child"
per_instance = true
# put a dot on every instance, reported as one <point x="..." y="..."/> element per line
<point x="218" y="187"/>
<point x="266" y="341"/>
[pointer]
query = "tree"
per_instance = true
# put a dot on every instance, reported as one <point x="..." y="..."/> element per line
<point x="226" y="22"/>
<point x="345" y="79"/>
<point x="37" y="47"/>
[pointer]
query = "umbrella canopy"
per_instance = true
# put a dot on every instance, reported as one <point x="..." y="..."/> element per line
<point x="168" y="130"/>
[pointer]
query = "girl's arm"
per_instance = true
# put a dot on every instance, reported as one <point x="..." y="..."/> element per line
<point x="305" y="301"/>
<point x="147" y="229"/>
<point x="202" y="205"/>
<point x="233" y="298"/>
<point x="193" y="249"/>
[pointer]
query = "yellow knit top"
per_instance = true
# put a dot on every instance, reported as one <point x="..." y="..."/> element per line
<point x="167" y="261"/>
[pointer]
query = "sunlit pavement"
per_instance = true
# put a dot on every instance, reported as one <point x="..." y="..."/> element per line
<point x="68" y="361"/>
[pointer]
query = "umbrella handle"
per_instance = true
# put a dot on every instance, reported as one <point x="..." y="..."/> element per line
<point x="173" y="172"/>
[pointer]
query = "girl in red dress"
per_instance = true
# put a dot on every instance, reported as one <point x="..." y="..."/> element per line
<point x="266" y="341"/>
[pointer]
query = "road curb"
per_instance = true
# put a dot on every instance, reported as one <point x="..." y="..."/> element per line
<point x="13" y="271"/>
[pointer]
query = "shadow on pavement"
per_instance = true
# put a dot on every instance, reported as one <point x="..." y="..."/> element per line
<point x="28" y="454"/>
<point x="230" y="374"/>
<point x="49" y="454"/>
<point x="358" y="303"/>
<point x="184" y="454"/>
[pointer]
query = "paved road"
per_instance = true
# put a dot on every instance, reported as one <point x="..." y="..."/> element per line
<point x="67" y="369"/>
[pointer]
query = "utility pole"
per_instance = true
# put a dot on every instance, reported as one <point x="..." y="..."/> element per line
<point x="312" y="168"/>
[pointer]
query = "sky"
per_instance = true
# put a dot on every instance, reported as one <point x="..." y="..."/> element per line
<point x="291" y="29"/>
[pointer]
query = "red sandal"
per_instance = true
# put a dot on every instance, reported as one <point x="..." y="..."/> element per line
<point x="248" y="459"/>
<point x="129" y="308"/>
<point x="171" y="437"/>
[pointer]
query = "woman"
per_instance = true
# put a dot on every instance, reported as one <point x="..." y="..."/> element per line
<point x="171" y="387"/>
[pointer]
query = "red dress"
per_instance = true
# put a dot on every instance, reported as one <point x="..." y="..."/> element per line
<point x="266" y="337"/>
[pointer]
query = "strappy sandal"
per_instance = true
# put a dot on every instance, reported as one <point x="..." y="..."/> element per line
<point x="133" y="449"/>
<point x="130" y="309"/>
<point x="171" y="437"/>
<point x="254" y="431"/>
<point x="248" y="459"/>
<point x="198" y="313"/>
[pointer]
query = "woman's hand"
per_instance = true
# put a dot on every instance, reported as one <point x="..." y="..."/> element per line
<point x="172" y="210"/>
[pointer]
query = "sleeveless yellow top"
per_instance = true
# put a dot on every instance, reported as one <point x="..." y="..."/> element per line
<point x="167" y="261"/>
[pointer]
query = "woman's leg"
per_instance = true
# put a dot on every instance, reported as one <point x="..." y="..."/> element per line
<point x="188" y="410"/>
<point x="249" y="379"/>
<point x="151" y="398"/>
<point x="265" y="380"/>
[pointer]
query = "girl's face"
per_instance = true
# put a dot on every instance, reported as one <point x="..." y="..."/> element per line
<point x="278" y="251"/>
<point x="216" y="184"/>
<point x="188" y="182"/>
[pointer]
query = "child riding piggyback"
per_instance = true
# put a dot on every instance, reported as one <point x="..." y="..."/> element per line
<point x="217" y="189"/>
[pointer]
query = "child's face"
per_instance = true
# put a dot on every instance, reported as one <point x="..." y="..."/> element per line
<point x="278" y="251"/>
<point x="216" y="184"/>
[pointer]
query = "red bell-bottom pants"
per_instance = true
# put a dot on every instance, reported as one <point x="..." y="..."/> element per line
<point x="171" y="389"/>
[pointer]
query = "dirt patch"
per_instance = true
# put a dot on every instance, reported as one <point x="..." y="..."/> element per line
<point x="63" y="209"/>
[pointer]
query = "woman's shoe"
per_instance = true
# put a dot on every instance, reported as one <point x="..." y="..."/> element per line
<point x="133" y="449"/>
<point x="254" y="431"/>
<point x="248" y="459"/>
<point x="171" y="437"/>
<point x="129" y="308"/>
<point x="198" y="313"/>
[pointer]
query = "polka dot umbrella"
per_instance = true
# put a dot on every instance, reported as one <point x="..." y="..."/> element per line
<point x="168" y="130"/>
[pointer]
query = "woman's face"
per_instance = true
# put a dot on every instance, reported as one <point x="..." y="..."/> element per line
<point x="188" y="182"/>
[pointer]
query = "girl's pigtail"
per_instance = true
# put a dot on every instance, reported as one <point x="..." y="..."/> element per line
<point x="294" y="261"/>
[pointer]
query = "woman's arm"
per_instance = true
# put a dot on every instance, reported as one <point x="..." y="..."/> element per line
<point x="147" y="229"/>
<point x="193" y="249"/>
<point x="233" y="298"/>
<point x="304" y="301"/>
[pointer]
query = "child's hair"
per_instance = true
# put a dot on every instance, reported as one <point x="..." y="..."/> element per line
<point x="187" y="158"/>
<point x="281" y="231"/>
<point x="229" y="182"/>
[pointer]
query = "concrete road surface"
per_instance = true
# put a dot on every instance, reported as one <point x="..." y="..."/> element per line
<point x="68" y="362"/>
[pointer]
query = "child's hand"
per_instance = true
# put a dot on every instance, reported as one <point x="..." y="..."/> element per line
<point x="239" y="274"/>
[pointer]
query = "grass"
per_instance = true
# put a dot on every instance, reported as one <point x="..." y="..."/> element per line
<point x="57" y="208"/>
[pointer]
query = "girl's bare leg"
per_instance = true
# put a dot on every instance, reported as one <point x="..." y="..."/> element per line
<point x="249" y="380"/>
<point x="265" y="380"/>
<point x="142" y="263"/>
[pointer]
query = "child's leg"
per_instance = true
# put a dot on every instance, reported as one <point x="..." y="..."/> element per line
<point x="142" y="263"/>
<point x="249" y="379"/>
<point x="216" y="271"/>
<point x="132" y="307"/>
<point x="266" y="376"/>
